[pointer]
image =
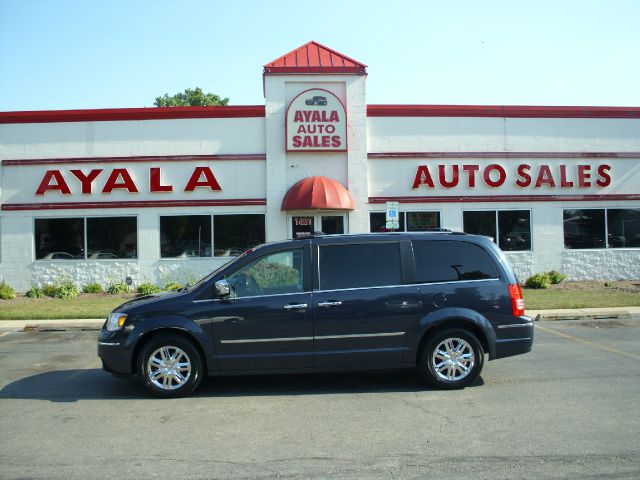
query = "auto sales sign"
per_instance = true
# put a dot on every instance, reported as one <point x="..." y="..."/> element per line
<point x="316" y="122"/>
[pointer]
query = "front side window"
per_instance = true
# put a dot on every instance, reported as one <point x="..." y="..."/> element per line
<point x="112" y="237"/>
<point x="233" y="234"/>
<point x="185" y="236"/>
<point x="59" y="238"/>
<point x="277" y="273"/>
<point x="359" y="265"/>
<point x="447" y="261"/>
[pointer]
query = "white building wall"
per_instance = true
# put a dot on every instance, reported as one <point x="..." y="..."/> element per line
<point x="489" y="134"/>
<point x="189" y="136"/>
<point x="284" y="168"/>
<point x="219" y="136"/>
<point x="389" y="177"/>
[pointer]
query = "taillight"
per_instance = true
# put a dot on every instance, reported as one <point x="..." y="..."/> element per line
<point x="517" y="301"/>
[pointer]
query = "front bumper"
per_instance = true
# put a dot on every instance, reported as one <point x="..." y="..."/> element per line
<point x="115" y="356"/>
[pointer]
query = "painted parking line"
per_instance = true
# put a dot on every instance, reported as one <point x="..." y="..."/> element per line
<point x="588" y="343"/>
<point x="4" y="333"/>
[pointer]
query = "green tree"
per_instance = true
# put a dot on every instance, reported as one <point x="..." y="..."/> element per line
<point x="190" y="98"/>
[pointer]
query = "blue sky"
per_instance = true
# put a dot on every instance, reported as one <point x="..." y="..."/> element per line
<point x="70" y="54"/>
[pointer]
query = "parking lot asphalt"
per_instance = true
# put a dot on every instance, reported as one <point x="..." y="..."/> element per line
<point x="568" y="409"/>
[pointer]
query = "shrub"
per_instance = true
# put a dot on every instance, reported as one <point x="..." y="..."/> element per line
<point x="92" y="288"/>
<point x="117" y="288"/>
<point x="49" y="289"/>
<point x="62" y="290"/>
<point x="6" y="292"/>
<point x="539" y="280"/>
<point x="148" y="289"/>
<point x="66" y="290"/>
<point x="556" y="277"/>
<point x="172" y="286"/>
<point x="34" y="292"/>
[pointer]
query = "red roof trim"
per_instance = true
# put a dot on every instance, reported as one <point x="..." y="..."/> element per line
<point x="506" y="198"/>
<point x="500" y="111"/>
<point x="114" y="114"/>
<point x="551" y="155"/>
<point x="150" y="158"/>
<point x="316" y="70"/>
<point x="134" y="204"/>
<point x="313" y="57"/>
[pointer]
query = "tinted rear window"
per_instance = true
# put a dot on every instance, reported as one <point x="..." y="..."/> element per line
<point x="359" y="265"/>
<point x="446" y="261"/>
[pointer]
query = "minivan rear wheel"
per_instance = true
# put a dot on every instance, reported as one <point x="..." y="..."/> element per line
<point x="170" y="366"/>
<point x="451" y="358"/>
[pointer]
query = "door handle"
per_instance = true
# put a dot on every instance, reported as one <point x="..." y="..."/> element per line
<point x="295" y="306"/>
<point x="329" y="304"/>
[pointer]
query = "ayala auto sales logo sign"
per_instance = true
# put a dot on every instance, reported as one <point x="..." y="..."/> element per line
<point x="316" y="122"/>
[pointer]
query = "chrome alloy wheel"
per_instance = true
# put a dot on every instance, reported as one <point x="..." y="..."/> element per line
<point x="453" y="359"/>
<point x="169" y="368"/>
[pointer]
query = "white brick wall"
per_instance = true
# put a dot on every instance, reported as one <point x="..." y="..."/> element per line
<point x="609" y="264"/>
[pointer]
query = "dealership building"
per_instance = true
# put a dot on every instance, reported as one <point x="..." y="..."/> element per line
<point x="168" y="194"/>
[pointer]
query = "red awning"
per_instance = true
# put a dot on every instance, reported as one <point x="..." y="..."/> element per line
<point x="317" y="193"/>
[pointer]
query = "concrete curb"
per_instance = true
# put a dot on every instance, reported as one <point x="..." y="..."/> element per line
<point x="612" y="313"/>
<point x="52" y="325"/>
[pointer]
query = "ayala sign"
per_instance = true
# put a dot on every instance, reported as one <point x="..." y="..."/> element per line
<point x="316" y="122"/>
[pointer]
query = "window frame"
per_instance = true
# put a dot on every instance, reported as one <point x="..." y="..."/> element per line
<point x="405" y="221"/>
<point x="496" y="238"/>
<point x="213" y="233"/>
<point x="183" y="215"/>
<point x="86" y="239"/>
<point x="606" y="229"/>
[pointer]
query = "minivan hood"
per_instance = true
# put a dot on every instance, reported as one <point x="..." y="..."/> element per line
<point x="155" y="298"/>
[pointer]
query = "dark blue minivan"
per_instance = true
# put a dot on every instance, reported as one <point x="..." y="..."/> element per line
<point x="439" y="301"/>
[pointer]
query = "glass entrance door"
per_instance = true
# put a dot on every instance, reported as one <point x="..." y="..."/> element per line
<point x="306" y="224"/>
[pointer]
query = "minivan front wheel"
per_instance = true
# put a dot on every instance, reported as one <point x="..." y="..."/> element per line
<point x="451" y="359"/>
<point x="170" y="366"/>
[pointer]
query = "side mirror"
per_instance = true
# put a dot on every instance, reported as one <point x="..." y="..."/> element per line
<point x="222" y="288"/>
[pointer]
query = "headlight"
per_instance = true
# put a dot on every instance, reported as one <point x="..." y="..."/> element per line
<point x="116" y="321"/>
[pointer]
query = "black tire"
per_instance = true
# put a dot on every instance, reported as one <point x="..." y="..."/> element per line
<point x="170" y="366"/>
<point x="457" y="363"/>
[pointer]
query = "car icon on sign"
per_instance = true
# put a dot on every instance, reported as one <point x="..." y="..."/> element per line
<point x="317" y="100"/>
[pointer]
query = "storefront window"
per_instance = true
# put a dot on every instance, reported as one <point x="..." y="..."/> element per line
<point x="112" y="237"/>
<point x="185" y="236"/>
<point x="106" y="237"/>
<point x="584" y="229"/>
<point x="414" y="221"/>
<point x="59" y="238"/>
<point x="514" y="227"/>
<point x="233" y="234"/>
<point x="588" y="228"/>
<point x="480" y="223"/>
<point x="623" y="227"/>
<point x="511" y="228"/>
<point x="422" y="221"/>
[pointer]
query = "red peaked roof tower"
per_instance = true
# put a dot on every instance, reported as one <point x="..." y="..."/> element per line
<point x="315" y="58"/>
